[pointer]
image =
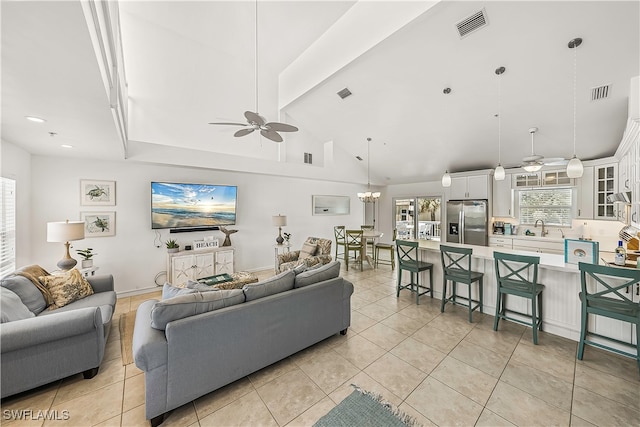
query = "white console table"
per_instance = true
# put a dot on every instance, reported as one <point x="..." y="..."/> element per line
<point x="192" y="265"/>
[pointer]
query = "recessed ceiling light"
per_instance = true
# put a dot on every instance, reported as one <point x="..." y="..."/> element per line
<point x="35" y="119"/>
<point x="66" y="146"/>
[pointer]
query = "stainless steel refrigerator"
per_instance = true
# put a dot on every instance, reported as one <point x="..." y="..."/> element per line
<point x="468" y="222"/>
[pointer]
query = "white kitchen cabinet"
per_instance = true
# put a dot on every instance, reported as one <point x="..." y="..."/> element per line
<point x="527" y="180"/>
<point x="503" y="197"/>
<point x="586" y="193"/>
<point x="469" y="187"/>
<point x="624" y="176"/>
<point x="193" y="265"/>
<point x="606" y="177"/>
<point x="539" y="246"/>
<point x="500" y="242"/>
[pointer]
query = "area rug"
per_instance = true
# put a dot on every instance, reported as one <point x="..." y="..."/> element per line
<point x="362" y="408"/>
<point x="127" y="321"/>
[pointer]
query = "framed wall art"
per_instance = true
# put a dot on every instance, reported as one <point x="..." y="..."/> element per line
<point x="330" y="205"/>
<point x="99" y="224"/>
<point x="97" y="193"/>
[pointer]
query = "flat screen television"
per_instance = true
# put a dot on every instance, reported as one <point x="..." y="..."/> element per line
<point x="192" y="207"/>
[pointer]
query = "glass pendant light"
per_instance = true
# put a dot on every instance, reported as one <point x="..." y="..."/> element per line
<point x="499" y="173"/>
<point x="446" y="178"/>
<point x="574" y="167"/>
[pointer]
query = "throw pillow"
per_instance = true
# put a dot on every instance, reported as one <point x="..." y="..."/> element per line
<point x="188" y="305"/>
<point x="308" y="250"/>
<point x="67" y="288"/>
<point x="320" y="274"/>
<point x="11" y="307"/>
<point x="29" y="294"/>
<point x="300" y="269"/>
<point x="276" y="284"/>
<point x="169" y="291"/>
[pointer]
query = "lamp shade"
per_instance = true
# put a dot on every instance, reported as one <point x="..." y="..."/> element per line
<point x="66" y="231"/>
<point x="279" y="220"/>
<point x="533" y="167"/>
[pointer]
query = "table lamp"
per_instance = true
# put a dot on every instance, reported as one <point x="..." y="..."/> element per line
<point x="65" y="232"/>
<point x="279" y="221"/>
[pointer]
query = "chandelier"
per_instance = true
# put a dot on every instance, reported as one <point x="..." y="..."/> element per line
<point x="369" y="196"/>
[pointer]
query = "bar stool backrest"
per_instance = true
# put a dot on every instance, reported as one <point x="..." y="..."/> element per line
<point x="407" y="253"/>
<point x="609" y="290"/>
<point x="518" y="273"/>
<point x="354" y="238"/>
<point x="456" y="262"/>
<point x="339" y="232"/>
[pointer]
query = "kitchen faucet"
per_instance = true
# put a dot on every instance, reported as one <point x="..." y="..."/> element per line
<point x="544" y="232"/>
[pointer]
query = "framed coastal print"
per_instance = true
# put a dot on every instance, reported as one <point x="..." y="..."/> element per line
<point x="99" y="224"/>
<point x="576" y="251"/>
<point x="330" y="205"/>
<point x="97" y="193"/>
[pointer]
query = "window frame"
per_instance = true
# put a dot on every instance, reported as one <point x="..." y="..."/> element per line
<point x="572" y="208"/>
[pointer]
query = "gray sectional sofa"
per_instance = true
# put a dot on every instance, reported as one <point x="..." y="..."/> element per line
<point x="194" y="343"/>
<point x="39" y="345"/>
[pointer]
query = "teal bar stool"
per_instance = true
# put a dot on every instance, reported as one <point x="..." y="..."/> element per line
<point x="456" y="267"/>
<point x="518" y="275"/>
<point x="604" y="292"/>
<point x="408" y="260"/>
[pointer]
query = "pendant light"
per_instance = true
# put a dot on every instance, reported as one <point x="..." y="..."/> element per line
<point x="574" y="167"/>
<point x="446" y="178"/>
<point x="499" y="173"/>
<point x="368" y="196"/>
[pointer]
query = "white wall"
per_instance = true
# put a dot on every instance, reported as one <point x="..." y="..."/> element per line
<point x="16" y="164"/>
<point x="132" y="256"/>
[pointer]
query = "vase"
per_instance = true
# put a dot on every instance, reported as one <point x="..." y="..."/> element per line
<point x="87" y="263"/>
<point x="173" y="250"/>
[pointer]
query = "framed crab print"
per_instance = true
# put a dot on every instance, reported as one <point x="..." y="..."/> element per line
<point x="99" y="224"/>
<point x="97" y="193"/>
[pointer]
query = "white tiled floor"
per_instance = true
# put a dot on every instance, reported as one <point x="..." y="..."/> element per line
<point x="436" y="367"/>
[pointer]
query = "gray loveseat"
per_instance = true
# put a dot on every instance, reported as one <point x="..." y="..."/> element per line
<point x="193" y="344"/>
<point x="39" y="345"/>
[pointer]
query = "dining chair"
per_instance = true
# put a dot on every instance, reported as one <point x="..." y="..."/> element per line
<point x="353" y="243"/>
<point x="408" y="260"/>
<point x="370" y="241"/>
<point x="341" y="242"/>
<point x="605" y="292"/>
<point x="391" y="247"/>
<point x="518" y="275"/>
<point x="456" y="267"/>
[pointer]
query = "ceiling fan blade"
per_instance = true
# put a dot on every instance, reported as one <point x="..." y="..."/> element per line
<point x="272" y="135"/>
<point x="243" y="132"/>
<point x="230" y="124"/>
<point x="254" y="118"/>
<point x="555" y="161"/>
<point x="281" y="127"/>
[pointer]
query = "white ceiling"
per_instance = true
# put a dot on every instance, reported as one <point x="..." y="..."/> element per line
<point x="190" y="63"/>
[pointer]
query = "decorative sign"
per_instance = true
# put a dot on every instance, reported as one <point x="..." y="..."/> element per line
<point x="204" y="244"/>
<point x="576" y="251"/>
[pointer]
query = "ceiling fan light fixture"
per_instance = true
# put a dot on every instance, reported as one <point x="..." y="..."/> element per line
<point x="532" y="167"/>
<point x="446" y="179"/>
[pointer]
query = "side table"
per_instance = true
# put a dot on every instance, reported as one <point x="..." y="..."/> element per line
<point x="280" y="249"/>
<point x="91" y="271"/>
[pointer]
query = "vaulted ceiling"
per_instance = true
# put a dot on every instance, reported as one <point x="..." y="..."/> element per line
<point x="190" y="63"/>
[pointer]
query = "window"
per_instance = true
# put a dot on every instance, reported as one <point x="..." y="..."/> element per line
<point x="553" y="206"/>
<point x="7" y="226"/>
<point x="423" y="225"/>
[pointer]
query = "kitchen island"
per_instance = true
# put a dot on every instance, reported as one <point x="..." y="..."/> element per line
<point x="561" y="303"/>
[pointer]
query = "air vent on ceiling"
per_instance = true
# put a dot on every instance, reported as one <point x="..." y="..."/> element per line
<point x="472" y="23"/>
<point x="600" y="92"/>
<point x="344" y="93"/>
<point x="359" y="158"/>
<point x="308" y="158"/>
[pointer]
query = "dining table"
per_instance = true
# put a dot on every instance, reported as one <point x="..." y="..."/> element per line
<point x="366" y="236"/>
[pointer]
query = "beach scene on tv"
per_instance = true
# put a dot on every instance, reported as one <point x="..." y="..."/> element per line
<point x="177" y="205"/>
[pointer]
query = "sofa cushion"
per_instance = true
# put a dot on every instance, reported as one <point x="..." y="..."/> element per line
<point x="188" y="305"/>
<point x="274" y="285"/>
<point x="67" y="287"/>
<point x="169" y="291"/>
<point x="308" y="250"/>
<point x="320" y="274"/>
<point x="11" y="307"/>
<point x="27" y="291"/>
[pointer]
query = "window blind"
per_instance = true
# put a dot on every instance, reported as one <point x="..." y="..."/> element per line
<point x="7" y="226"/>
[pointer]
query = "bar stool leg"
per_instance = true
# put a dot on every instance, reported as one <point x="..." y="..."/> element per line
<point x="496" y="319"/>
<point x="444" y="295"/>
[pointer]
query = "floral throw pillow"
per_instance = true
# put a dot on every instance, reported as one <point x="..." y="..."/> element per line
<point x="67" y="287"/>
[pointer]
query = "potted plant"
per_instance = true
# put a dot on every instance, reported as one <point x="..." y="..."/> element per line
<point x="87" y="255"/>
<point x="287" y="236"/>
<point x="172" y="246"/>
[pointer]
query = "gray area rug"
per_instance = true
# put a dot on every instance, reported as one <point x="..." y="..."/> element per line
<point x="362" y="408"/>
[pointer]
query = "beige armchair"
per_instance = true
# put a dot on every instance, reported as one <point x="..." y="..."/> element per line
<point x="314" y="251"/>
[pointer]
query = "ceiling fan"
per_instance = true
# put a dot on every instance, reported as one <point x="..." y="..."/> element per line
<point x="534" y="162"/>
<point x="254" y="120"/>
